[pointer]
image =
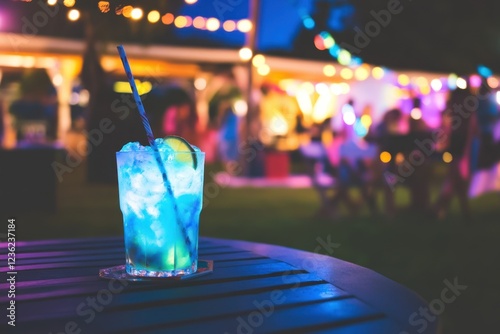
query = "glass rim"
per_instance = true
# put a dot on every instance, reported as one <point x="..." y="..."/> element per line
<point x="162" y="151"/>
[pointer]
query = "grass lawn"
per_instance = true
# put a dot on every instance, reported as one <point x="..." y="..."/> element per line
<point x="413" y="251"/>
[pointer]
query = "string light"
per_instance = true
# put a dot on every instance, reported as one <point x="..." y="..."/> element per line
<point x="167" y="18"/>
<point x="378" y="73"/>
<point x="199" y="22"/>
<point x="461" y="83"/>
<point x="244" y="25"/>
<point x="329" y="70"/>
<point x="258" y="60"/>
<point x="263" y="70"/>
<point x="492" y="82"/>
<point x="416" y="113"/>
<point x="74" y="15"/>
<point x="229" y="26"/>
<point x="447" y="157"/>
<point x="136" y="14"/>
<point x="436" y="85"/>
<point x="213" y="24"/>
<point x="180" y="22"/>
<point x="69" y="3"/>
<point x="154" y="16"/>
<point x="127" y="11"/>
<point x="346" y="73"/>
<point x="245" y="54"/>
<point x="403" y="80"/>
<point x="385" y="157"/>
<point x="361" y="73"/>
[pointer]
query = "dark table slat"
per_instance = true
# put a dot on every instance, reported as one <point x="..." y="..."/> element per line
<point x="293" y="319"/>
<point x="376" y="326"/>
<point x="219" y="275"/>
<point x="167" y="316"/>
<point x="73" y="294"/>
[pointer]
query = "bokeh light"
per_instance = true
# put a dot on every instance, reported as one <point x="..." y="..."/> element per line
<point x="416" y="113"/>
<point x="245" y="54"/>
<point x="403" y="80"/>
<point x="199" y="22"/>
<point x="53" y="2"/>
<point x="154" y="16"/>
<point x="200" y="83"/>
<point x="385" y="157"/>
<point x="229" y="26"/>
<point x="475" y="81"/>
<point x="452" y="81"/>
<point x="308" y="22"/>
<point x="461" y="83"/>
<point x="436" y="85"/>
<point x="180" y="21"/>
<point x="127" y="11"/>
<point x="167" y="18"/>
<point x="361" y="73"/>
<point x="492" y="82"/>
<point x="263" y="70"/>
<point x="74" y="15"/>
<point x="240" y="108"/>
<point x="344" y="57"/>
<point x="447" y="157"/>
<point x="244" y="25"/>
<point x="346" y="73"/>
<point x="69" y="3"/>
<point x="190" y="2"/>
<point x="136" y="14"/>
<point x="366" y="120"/>
<point x="329" y="70"/>
<point x="213" y="24"/>
<point x="378" y="73"/>
<point x="258" y="60"/>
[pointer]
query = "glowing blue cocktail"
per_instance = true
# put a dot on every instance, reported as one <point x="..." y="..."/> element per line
<point x="160" y="227"/>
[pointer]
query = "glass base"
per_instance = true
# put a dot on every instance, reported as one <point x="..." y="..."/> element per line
<point x="119" y="272"/>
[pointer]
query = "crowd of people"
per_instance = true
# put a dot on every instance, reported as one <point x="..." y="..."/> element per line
<point x="401" y="151"/>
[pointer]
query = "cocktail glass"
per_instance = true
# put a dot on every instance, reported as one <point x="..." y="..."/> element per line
<point x="160" y="224"/>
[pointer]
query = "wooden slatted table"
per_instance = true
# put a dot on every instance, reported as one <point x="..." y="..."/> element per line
<point x="255" y="288"/>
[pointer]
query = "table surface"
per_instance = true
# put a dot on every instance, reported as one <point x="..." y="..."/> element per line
<point x="255" y="288"/>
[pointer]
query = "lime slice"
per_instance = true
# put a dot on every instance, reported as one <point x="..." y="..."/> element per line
<point x="180" y="145"/>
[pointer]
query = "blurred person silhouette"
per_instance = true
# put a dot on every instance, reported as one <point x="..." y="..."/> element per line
<point x="420" y="178"/>
<point x="388" y="135"/>
<point x="354" y="170"/>
<point x="487" y="116"/>
<point x="318" y="168"/>
<point x="486" y="174"/>
<point x="459" y="131"/>
<point x="228" y="124"/>
<point x="35" y="111"/>
<point x="2" y="129"/>
<point x="172" y="111"/>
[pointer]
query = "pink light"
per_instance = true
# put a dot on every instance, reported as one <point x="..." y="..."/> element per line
<point x="475" y="81"/>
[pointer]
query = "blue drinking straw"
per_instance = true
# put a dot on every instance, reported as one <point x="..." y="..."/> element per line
<point x="151" y="140"/>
